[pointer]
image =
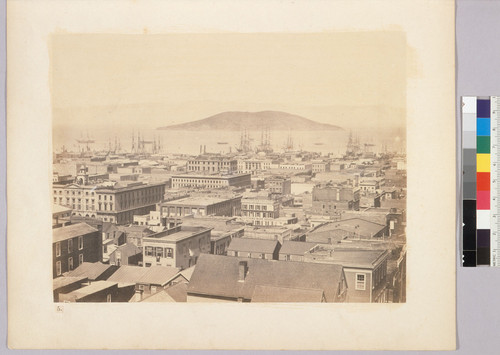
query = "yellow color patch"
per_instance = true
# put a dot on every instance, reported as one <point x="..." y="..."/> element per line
<point x="483" y="163"/>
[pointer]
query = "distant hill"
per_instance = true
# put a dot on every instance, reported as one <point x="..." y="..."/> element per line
<point x="253" y="121"/>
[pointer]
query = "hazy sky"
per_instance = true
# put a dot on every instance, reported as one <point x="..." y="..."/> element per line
<point x="174" y="78"/>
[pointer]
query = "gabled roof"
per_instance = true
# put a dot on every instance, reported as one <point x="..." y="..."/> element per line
<point x="92" y="271"/>
<point x="108" y="227"/>
<point x="353" y="258"/>
<point x="178" y="292"/>
<point x="94" y="287"/>
<point x="217" y="275"/>
<point x="128" y="274"/>
<point x="253" y="245"/>
<point x="286" y="294"/>
<point x="359" y="226"/>
<point x="71" y="231"/>
<point x="65" y="281"/>
<point x="158" y="275"/>
<point x="187" y="273"/>
<point x="135" y="229"/>
<point x="296" y="248"/>
<point x="161" y="296"/>
<point x="128" y="248"/>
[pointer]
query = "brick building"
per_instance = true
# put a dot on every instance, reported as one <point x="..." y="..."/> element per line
<point x="74" y="244"/>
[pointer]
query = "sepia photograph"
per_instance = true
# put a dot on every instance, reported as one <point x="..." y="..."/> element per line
<point x="273" y="176"/>
<point x="229" y="167"/>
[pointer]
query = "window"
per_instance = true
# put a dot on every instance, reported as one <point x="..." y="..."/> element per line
<point x="58" y="268"/>
<point x="80" y="259"/>
<point x="80" y="242"/>
<point x="70" y="245"/>
<point x="360" y="281"/>
<point x="148" y="251"/>
<point x="159" y="252"/>
<point x="70" y="264"/>
<point x="169" y="252"/>
<point x="108" y="298"/>
<point x="58" y="249"/>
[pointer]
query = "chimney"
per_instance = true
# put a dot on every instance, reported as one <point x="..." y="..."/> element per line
<point x="201" y="148"/>
<point x="138" y="295"/>
<point x="204" y="149"/>
<point x="243" y="269"/>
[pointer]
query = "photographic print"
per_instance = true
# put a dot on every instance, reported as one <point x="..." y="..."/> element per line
<point x="229" y="167"/>
<point x="256" y="174"/>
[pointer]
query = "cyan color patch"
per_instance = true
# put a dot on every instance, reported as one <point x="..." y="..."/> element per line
<point x="483" y="126"/>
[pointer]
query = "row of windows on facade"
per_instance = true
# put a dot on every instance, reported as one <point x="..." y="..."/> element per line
<point x="125" y="204"/>
<point x="183" y="249"/>
<point x="256" y="207"/>
<point x="70" y="246"/>
<point x="70" y="264"/>
<point x="150" y="191"/>
<point x="201" y="181"/>
<point x="258" y="214"/>
<point x="249" y="255"/>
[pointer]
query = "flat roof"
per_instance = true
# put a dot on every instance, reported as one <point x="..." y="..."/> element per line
<point x="201" y="176"/>
<point x="197" y="200"/>
<point x="71" y="231"/>
<point x="184" y="233"/>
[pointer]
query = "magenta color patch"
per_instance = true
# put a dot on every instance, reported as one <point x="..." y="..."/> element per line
<point x="483" y="200"/>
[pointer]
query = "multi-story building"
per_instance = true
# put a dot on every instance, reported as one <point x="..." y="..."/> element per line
<point x="253" y="166"/>
<point x="320" y="167"/>
<point x="257" y="210"/>
<point x="202" y="206"/>
<point x="279" y="185"/>
<point x="331" y="199"/>
<point x="365" y="271"/>
<point x="109" y="201"/>
<point x="210" y="181"/>
<point x="224" y="230"/>
<point x="296" y="166"/>
<point x="211" y="164"/>
<point x="74" y="244"/>
<point x="178" y="247"/>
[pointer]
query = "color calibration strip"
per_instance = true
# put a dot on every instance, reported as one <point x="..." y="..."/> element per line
<point x="495" y="181"/>
<point x="480" y="176"/>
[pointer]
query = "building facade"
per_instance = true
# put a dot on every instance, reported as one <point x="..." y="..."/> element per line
<point x="110" y="201"/>
<point x="202" y="206"/>
<point x="207" y="164"/>
<point x="279" y="185"/>
<point x="177" y="247"/>
<point x="210" y="181"/>
<point x="74" y="244"/>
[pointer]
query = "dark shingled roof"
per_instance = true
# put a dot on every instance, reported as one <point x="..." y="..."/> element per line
<point x="285" y="294"/>
<point x="71" y="231"/>
<point x="253" y="245"/>
<point x="217" y="275"/>
<point x="93" y="271"/>
<point x="296" y="248"/>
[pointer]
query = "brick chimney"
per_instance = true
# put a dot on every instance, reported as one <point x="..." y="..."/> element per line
<point x="242" y="271"/>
